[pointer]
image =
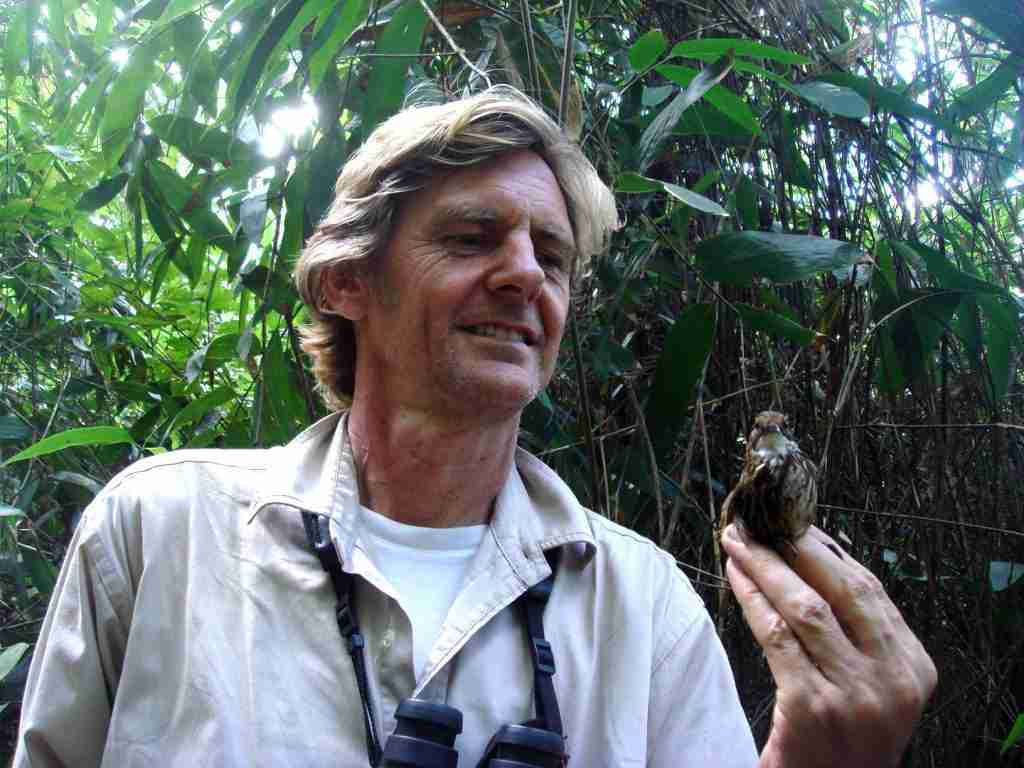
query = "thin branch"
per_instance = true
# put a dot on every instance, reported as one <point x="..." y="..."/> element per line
<point x="455" y="46"/>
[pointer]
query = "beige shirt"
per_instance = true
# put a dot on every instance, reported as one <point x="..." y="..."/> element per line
<point x="193" y="626"/>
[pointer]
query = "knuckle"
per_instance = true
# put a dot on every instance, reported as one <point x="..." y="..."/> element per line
<point x="865" y="586"/>
<point x="826" y="711"/>
<point x="777" y="634"/>
<point x="813" y="610"/>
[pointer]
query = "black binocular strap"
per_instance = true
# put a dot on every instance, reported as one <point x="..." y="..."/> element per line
<point x="319" y="535"/>
<point x="531" y="602"/>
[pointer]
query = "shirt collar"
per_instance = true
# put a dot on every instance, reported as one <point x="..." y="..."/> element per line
<point x="535" y="511"/>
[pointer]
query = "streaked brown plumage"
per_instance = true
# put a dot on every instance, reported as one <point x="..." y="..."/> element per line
<point x="777" y="493"/>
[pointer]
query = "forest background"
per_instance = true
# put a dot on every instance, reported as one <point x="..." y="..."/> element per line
<point x="822" y="203"/>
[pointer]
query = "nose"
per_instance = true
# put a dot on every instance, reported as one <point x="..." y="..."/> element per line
<point x="518" y="273"/>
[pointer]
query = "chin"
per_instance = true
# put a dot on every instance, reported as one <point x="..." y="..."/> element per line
<point x="492" y="395"/>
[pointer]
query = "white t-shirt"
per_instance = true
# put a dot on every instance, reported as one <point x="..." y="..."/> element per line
<point x="426" y="567"/>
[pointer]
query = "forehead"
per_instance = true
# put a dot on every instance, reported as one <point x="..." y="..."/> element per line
<point x="513" y="189"/>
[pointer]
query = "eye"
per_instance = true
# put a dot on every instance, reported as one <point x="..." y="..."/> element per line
<point x="467" y="241"/>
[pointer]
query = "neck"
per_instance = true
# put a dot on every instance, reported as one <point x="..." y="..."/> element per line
<point x="419" y="470"/>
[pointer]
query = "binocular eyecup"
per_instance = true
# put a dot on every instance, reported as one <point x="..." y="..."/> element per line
<point x="425" y="734"/>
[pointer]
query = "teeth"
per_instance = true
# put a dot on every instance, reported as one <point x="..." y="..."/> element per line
<point x="495" y="332"/>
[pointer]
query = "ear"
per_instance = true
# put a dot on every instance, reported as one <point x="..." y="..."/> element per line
<point x="344" y="292"/>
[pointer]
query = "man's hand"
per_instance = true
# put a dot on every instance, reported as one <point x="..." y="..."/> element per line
<point x="852" y="678"/>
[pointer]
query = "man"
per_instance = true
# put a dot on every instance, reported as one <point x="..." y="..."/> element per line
<point x="194" y="625"/>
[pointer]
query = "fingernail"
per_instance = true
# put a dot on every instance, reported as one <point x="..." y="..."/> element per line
<point x="733" y="535"/>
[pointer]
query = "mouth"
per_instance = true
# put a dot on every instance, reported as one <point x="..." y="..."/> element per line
<point x="501" y="333"/>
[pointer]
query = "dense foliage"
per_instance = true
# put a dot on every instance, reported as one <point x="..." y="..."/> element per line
<point x="822" y="205"/>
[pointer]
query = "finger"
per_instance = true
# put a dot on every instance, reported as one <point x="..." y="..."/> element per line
<point x="856" y="596"/>
<point x="786" y="657"/>
<point x="803" y="609"/>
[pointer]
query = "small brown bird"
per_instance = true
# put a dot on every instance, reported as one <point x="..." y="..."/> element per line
<point x="777" y="493"/>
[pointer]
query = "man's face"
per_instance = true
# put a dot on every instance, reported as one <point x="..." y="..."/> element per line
<point x="467" y="309"/>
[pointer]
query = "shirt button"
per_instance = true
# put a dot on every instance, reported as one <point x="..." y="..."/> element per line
<point x="387" y="639"/>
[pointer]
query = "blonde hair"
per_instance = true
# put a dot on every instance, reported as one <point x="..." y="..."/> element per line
<point x="401" y="156"/>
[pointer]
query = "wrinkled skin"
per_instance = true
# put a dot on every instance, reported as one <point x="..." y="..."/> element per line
<point x="852" y="678"/>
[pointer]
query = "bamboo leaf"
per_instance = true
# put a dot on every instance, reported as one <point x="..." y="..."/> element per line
<point x="717" y="46"/>
<point x="986" y="93"/>
<point x="1016" y="734"/>
<point x="259" y="56"/>
<point x="102" y="193"/>
<point x="646" y="50"/>
<point x="400" y="39"/>
<point x="837" y="99"/>
<point x="774" y="325"/>
<point x="882" y="99"/>
<point x="720" y="97"/>
<point x="695" y="200"/>
<point x="72" y="438"/>
<point x="680" y="365"/>
<point x="202" y="143"/>
<point x="124" y="102"/>
<point x="41" y="570"/>
<point x="10" y="657"/>
<point x="738" y="257"/>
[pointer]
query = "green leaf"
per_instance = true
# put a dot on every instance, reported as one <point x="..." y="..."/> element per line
<point x="67" y="154"/>
<point x="774" y="325"/>
<point x="257" y="59"/>
<point x="1016" y="734"/>
<point x="177" y="8"/>
<point x="10" y="657"/>
<point x="40" y="569"/>
<point x="102" y="193"/>
<point x="72" y="438"/>
<point x="738" y="257"/>
<point x="680" y="365"/>
<point x="189" y="203"/>
<point x="794" y="167"/>
<point x="253" y="214"/>
<point x="202" y="143"/>
<point x="1004" y="573"/>
<point x="401" y="38"/>
<point x="999" y="334"/>
<point x="190" y="261"/>
<point x="882" y="99"/>
<point x="634" y="183"/>
<point x="55" y="17"/>
<point x="660" y="128"/>
<point x="199" y="407"/>
<point x="716" y="46"/>
<point x="837" y="99"/>
<point x="719" y="96"/>
<point x="277" y="293"/>
<point x="83" y="105"/>
<point x="283" y="410"/>
<point x="746" y="203"/>
<point x="986" y="93"/>
<point x="104" y="24"/>
<point x="646" y="50"/>
<point x="353" y="13"/>
<point x="124" y="102"/>
<point x="17" y="43"/>
<point x="694" y="200"/>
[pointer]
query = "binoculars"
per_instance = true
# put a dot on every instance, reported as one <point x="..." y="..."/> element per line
<point x="425" y="738"/>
